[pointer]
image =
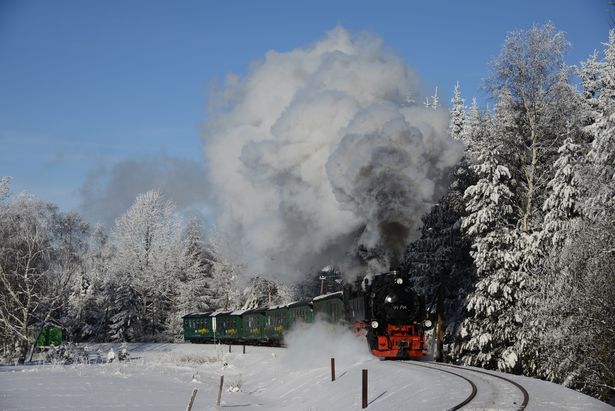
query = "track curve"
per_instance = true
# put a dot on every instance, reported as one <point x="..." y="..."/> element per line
<point x="472" y="385"/>
<point x="526" y="396"/>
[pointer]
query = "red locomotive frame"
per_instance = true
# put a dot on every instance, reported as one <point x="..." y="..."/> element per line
<point x="399" y="341"/>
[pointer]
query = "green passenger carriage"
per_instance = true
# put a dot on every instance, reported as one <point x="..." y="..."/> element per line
<point x="228" y="326"/>
<point x="254" y="322"/>
<point x="198" y="327"/>
<point x="277" y="323"/>
<point x="330" y="307"/>
<point x="300" y="313"/>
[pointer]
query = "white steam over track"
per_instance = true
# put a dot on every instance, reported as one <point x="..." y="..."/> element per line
<point x="321" y="149"/>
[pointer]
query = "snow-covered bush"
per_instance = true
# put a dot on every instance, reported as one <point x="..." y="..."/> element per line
<point x="66" y="353"/>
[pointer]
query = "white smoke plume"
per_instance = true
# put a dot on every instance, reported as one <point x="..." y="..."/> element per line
<point x="319" y="150"/>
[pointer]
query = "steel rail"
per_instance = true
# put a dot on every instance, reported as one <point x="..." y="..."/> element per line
<point x="465" y="401"/>
<point x="526" y="396"/>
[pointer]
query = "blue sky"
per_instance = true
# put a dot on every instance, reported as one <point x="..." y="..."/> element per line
<point x="85" y="86"/>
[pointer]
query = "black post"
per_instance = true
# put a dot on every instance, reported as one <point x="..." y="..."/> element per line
<point x="364" y="389"/>
<point x="244" y="348"/>
<point x="220" y="390"/>
<point x="229" y="348"/>
<point x="332" y="369"/>
<point x="194" y="391"/>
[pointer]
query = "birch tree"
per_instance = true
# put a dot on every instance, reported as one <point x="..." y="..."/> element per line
<point x="41" y="253"/>
<point x="529" y="66"/>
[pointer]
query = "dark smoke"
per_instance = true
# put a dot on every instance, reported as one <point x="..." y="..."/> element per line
<point x="319" y="155"/>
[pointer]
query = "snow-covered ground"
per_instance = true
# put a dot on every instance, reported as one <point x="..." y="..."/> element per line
<point x="162" y="377"/>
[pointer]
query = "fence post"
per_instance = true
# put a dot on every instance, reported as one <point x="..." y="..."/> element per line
<point x="244" y="348"/>
<point x="229" y="348"/>
<point x="194" y="391"/>
<point x="332" y="369"/>
<point x="364" y="389"/>
<point x="220" y="390"/>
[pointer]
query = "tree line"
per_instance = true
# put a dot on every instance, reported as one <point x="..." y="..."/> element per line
<point x="132" y="284"/>
<point x="521" y="250"/>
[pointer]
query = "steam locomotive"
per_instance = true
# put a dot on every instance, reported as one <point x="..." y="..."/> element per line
<point x="384" y="308"/>
<point x="391" y="315"/>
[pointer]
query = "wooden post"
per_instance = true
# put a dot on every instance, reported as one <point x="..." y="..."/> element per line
<point x="439" y="331"/>
<point x="220" y="390"/>
<point x="244" y="348"/>
<point x="364" y="389"/>
<point x="194" y="391"/>
<point x="332" y="369"/>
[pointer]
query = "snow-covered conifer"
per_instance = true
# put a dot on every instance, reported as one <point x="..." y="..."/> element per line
<point x="472" y="124"/>
<point x="4" y="187"/>
<point x="491" y="326"/>
<point x="193" y="291"/>
<point x="601" y="156"/>
<point x="457" y="113"/>
<point x="226" y="293"/>
<point x="562" y="204"/>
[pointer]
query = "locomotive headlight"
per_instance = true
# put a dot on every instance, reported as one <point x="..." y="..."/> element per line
<point x="388" y="299"/>
<point x="427" y="323"/>
<point x="399" y="281"/>
<point x="374" y="324"/>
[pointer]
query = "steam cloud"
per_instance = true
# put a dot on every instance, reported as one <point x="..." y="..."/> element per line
<point x="305" y="348"/>
<point x="317" y="151"/>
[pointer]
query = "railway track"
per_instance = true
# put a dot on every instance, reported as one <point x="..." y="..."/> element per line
<point x="474" y="384"/>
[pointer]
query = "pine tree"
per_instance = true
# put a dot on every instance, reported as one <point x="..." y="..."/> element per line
<point x="193" y="291"/>
<point x="226" y="293"/>
<point x="541" y="264"/>
<point x="562" y="206"/>
<point x="4" y="187"/>
<point x="439" y="261"/>
<point x="590" y="78"/>
<point x="491" y="326"/>
<point x="102" y="285"/>
<point x="198" y="271"/>
<point x="469" y="134"/>
<point x="601" y="156"/>
<point x="457" y="113"/>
